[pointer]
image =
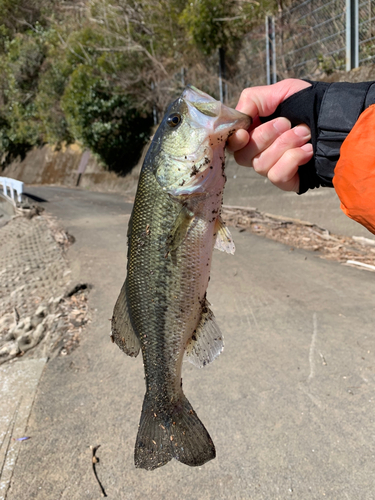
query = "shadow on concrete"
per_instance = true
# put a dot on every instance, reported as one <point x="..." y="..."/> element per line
<point x="35" y="198"/>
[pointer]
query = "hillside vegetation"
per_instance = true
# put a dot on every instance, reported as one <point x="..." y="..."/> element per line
<point x="101" y="72"/>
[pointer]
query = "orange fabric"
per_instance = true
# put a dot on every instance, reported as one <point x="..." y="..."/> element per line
<point x="354" y="176"/>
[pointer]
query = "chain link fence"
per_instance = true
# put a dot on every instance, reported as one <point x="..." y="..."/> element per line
<point x="366" y="31"/>
<point x="309" y="40"/>
<point x="252" y="61"/>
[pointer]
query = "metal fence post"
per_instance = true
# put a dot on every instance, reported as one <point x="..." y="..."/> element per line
<point x="270" y="50"/>
<point x="352" y="36"/>
<point x="273" y="33"/>
<point x="268" y="69"/>
<point x="221" y="53"/>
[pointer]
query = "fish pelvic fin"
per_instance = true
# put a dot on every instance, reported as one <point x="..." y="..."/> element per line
<point x="178" y="434"/>
<point x="224" y="241"/>
<point x="122" y="330"/>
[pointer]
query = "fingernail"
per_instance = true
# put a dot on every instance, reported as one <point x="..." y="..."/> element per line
<point x="302" y="131"/>
<point x="307" y="147"/>
<point x="281" y="125"/>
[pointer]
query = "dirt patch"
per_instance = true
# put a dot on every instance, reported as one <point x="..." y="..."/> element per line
<point x="356" y="250"/>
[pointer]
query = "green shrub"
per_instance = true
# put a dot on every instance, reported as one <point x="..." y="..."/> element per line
<point x="105" y="121"/>
<point x="20" y="66"/>
<point x="51" y="87"/>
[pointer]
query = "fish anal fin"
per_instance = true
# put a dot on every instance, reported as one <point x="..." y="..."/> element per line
<point x="224" y="241"/>
<point x="122" y="331"/>
<point x="206" y="342"/>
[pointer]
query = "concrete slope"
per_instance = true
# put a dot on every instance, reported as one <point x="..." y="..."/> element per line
<point x="7" y="210"/>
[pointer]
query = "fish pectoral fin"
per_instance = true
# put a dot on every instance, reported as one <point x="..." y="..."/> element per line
<point x="122" y="331"/>
<point x="180" y="229"/>
<point x="224" y="240"/>
<point x="206" y="342"/>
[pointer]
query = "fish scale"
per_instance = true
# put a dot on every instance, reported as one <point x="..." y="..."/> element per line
<point x="162" y="308"/>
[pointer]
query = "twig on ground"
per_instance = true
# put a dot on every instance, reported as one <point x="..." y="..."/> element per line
<point x="94" y="461"/>
<point x="302" y="234"/>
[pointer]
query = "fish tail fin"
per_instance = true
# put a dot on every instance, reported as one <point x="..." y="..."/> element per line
<point x="178" y="434"/>
<point x="152" y="447"/>
<point x="190" y="441"/>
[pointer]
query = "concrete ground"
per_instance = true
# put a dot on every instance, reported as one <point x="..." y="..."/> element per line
<point x="320" y="206"/>
<point x="289" y="403"/>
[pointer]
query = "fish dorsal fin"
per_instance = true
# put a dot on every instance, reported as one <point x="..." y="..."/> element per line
<point x="206" y="342"/>
<point x="122" y="331"/>
<point x="224" y="240"/>
<point x="179" y="230"/>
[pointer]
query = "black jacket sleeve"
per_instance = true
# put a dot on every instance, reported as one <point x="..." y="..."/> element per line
<point x="330" y="110"/>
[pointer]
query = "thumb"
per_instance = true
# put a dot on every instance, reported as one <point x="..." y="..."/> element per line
<point x="263" y="101"/>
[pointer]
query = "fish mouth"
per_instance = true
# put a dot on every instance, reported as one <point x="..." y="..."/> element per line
<point x="227" y="118"/>
<point x="204" y="103"/>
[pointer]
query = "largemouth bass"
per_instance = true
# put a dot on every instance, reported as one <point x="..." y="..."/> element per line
<point x="162" y="309"/>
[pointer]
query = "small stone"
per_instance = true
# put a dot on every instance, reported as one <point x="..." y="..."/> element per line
<point x="38" y="334"/>
<point x="19" y="327"/>
<point x="35" y="320"/>
<point x="23" y="326"/>
<point x="41" y="312"/>
<point x="9" y="336"/>
<point x="13" y="332"/>
<point x="57" y="300"/>
<point x="27" y="324"/>
<point x="14" y="350"/>
<point x="4" y="351"/>
<point x="25" y="342"/>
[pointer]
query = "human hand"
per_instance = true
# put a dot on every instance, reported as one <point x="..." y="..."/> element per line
<point x="273" y="149"/>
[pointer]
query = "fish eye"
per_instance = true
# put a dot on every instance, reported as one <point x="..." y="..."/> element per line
<point x="174" y="119"/>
